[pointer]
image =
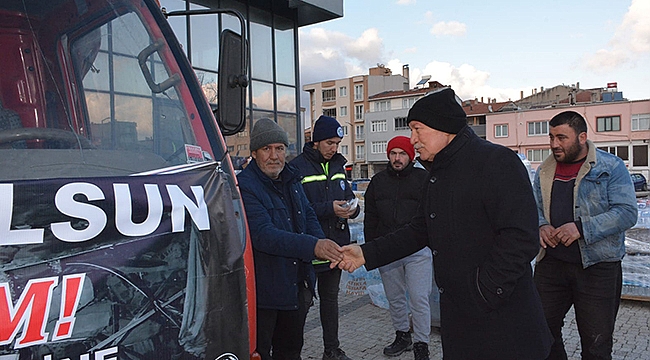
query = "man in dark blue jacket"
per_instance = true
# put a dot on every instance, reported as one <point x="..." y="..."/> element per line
<point x="286" y="237"/>
<point x="328" y="191"/>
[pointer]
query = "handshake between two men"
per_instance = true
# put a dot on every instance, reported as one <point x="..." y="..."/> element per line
<point x="348" y="257"/>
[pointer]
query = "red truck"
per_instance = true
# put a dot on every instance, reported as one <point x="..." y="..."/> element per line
<point x="122" y="232"/>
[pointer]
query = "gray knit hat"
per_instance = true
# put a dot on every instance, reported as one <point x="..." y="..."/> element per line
<point x="266" y="131"/>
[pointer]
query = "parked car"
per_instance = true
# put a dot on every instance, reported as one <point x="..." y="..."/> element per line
<point x="640" y="183"/>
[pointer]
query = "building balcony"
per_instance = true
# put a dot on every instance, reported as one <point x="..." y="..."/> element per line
<point x="479" y="130"/>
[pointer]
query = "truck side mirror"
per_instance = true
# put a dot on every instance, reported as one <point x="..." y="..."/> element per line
<point x="232" y="80"/>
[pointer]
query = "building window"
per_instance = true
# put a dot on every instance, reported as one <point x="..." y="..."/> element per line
<point x="378" y="147"/>
<point x="231" y="148"/>
<point x="329" y="95"/>
<point x="501" y="130"/>
<point x="330" y="112"/>
<point x="242" y="147"/>
<point x="343" y="110"/>
<point x="538" y="155"/>
<point x="640" y="155"/>
<point x="343" y="91"/>
<point x="358" y="92"/>
<point x="363" y="171"/>
<point x="382" y="105"/>
<point x="242" y="134"/>
<point x="640" y="122"/>
<point x="358" y="112"/>
<point x="621" y="151"/>
<point x="407" y="103"/>
<point x="345" y="130"/>
<point x="608" y="123"/>
<point x="344" y="149"/>
<point x="401" y="123"/>
<point x="359" y="132"/>
<point x="378" y="126"/>
<point x="361" y="152"/>
<point x="538" y="128"/>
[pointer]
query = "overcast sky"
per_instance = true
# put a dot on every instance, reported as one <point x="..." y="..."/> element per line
<point x="487" y="48"/>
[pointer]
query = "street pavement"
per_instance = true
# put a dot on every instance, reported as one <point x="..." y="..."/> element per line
<point x="365" y="329"/>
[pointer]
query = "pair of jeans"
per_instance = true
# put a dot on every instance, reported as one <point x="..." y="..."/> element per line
<point x="411" y="275"/>
<point x="594" y="292"/>
<point x="280" y="332"/>
<point x="328" y="293"/>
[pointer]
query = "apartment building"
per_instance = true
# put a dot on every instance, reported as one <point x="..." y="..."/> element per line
<point x="619" y="127"/>
<point x="347" y="100"/>
<point x="568" y="94"/>
<point x="615" y="124"/>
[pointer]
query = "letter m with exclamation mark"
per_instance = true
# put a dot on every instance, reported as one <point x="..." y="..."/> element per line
<point x="70" y="295"/>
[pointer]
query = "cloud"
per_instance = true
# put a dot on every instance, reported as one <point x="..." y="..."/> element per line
<point x="329" y="55"/>
<point x="405" y="2"/>
<point x="429" y="18"/>
<point x="411" y="50"/>
<point x="635" y="27"/>
<point x="630" y="41"/>
<point x="448" y="28"/>
<point x="367" y="48"/>
<point x="467" y="81"/>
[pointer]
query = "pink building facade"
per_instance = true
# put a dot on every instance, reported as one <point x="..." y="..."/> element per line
<point x="621" y="128"/>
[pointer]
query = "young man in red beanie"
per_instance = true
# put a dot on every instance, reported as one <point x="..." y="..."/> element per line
<point x="391" y="200"/>
<point x="478" y="215"/>
<point x="323" y="178"/>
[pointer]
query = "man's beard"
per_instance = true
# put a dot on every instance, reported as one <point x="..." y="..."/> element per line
<point x="571" y="154"/>
<point x="395" y="167"/>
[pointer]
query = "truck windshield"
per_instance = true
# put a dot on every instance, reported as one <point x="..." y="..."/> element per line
<point x="91" y="89"/>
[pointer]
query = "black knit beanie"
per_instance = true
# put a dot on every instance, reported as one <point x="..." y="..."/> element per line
<point x="266" y="131"/>
<point x="326" y="128"/>
<point x="439" y="110"/>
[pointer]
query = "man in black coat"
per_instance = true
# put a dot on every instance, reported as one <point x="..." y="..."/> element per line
<point x="478" y="216"/>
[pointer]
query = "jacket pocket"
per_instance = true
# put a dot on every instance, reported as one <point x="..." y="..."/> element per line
<point x="593" y="194"/>
<point x="478" y="304"/>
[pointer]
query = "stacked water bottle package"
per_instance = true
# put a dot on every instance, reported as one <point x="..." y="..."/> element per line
<point x="636" y="264"/>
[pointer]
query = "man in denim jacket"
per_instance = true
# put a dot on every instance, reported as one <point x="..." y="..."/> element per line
<point x="585" y="201"/>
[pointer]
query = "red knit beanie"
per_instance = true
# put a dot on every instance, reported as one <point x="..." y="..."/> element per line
<point x="403" y="143"/>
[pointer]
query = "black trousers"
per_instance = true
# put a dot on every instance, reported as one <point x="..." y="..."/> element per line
<point x="594" y="292"/>
<point x="328" y="293"/>
<point x="280" y="332"/>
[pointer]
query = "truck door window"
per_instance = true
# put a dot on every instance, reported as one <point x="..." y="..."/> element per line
<point x="123" y="111"/>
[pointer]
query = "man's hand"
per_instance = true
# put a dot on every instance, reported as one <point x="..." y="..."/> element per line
<point x="547" y="236"/>
<point x="340" y="211"/>
<point x="567" y="233"/>
<point x="327" y="249"/>
<point x="352" y="258"/>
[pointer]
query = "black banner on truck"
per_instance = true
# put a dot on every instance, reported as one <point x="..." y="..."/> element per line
<point x="134" y="267"/>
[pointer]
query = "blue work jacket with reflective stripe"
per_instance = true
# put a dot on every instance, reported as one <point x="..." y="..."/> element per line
<point x="322" y="189"/>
